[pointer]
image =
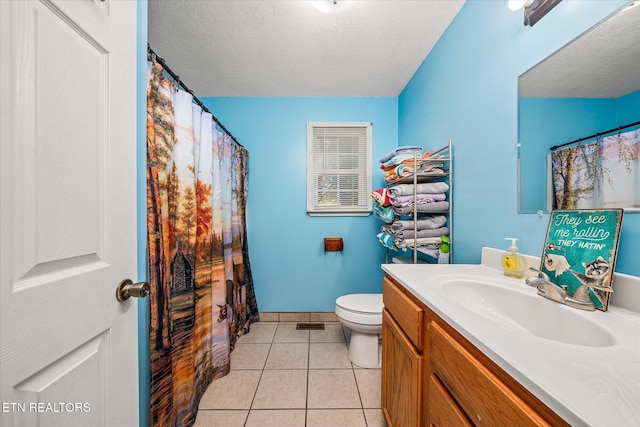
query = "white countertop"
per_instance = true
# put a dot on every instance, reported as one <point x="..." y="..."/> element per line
<point x="585" y="385"/>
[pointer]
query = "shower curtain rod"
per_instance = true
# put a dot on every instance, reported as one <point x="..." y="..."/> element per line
<point x="619" y="128"/>
<point x="159" y="60"/>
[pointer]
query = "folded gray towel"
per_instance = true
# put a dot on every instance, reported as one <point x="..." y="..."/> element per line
<point x="427" y="187"/>
<point x="418" y="199"/>
<point x="427" y="207"/>
<point x="431" y="232"/>
<point x="428" y="221"/>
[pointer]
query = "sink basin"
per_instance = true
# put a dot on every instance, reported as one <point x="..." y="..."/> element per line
<point x="529" y="312"/>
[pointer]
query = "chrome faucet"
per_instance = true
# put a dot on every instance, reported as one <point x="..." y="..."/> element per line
<point x="580" y="298"/>
<point x="546" y="288"/>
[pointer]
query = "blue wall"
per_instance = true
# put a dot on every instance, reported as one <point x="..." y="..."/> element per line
<point x="544" y="122"/>
<point x="290" y="269"/>
<point x="628" y="108"/>
<point x="466" y="90"/>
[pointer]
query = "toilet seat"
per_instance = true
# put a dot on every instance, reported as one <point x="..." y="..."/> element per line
<point x="363" y="309"/>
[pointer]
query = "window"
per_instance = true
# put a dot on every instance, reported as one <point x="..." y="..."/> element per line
<point x="339" y="169"/>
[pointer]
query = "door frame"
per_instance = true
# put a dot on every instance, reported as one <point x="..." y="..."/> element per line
<point x="144" y="380"/>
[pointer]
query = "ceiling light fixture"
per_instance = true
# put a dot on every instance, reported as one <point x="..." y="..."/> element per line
<point x="518" y="4"/>
<point x="632" y="5"/>
<point x="535" y="10"/>
<point x="331" y="6"/>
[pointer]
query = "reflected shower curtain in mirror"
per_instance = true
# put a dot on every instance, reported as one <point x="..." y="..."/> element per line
<point x="601" y="174"/>
<point x="201" y="296"/>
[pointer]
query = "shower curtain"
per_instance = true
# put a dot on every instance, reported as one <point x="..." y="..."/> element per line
<point x="201" y="296"/>
<point x="604" y="173"/>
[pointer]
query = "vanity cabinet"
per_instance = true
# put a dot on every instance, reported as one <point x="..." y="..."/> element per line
<point x="433" y="376"/>
<point x="402" y="360"/>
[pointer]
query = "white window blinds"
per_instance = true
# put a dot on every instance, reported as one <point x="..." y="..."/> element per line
<point x="339" y="168"/>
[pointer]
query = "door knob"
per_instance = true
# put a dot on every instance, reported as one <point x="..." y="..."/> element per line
<point x="127" y="289"/>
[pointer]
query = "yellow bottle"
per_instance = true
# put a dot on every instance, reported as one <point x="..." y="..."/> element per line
<point x="512" y="262"/>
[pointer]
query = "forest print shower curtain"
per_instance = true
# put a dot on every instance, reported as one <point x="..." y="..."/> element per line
<point x="604" y="173"/>
<point x="202" y="295"/>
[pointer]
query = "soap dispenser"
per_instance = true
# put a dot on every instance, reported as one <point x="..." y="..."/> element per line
<point x="512" y="262"/>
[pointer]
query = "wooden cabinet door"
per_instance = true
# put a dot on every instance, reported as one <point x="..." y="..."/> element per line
<point x="401" y="376"/>
<point x="443" y="410"/>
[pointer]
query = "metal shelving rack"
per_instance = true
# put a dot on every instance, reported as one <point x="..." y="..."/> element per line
<point x="443" y="155"/>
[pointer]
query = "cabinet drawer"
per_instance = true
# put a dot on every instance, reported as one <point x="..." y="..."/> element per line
<point x="404" y="311"/>
<point x="443" y="410"/>
<point x="484" y="398"/>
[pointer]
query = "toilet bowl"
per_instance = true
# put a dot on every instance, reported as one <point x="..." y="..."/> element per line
<point x="362" y="313"/>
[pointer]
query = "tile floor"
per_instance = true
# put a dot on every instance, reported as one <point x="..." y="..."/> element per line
<point x="284" y="377"/>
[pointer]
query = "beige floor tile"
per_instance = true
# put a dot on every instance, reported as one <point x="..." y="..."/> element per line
<point x="335" y="418"/>
<point x="374" y="418"/>
<point x="278" y="372"/>
<point x="323" y="317"/>
<point x="220" y="418"/>
<point x="330" y="355"/>
<point x="243" y="384"/>
<point x="287" y="332"/>
<point x="288" y="356"/>
<point x="249" y="356"/>
<point x="280" y="389"/>
<point x="269" y="317"/>
<point x="276" y="418"/>
<point x="330" y="388"/>
<point x="331" y="333"/>
<point x="369" y="386"/>
<point x="260" y="332"/>
<point x="294" y="317"/>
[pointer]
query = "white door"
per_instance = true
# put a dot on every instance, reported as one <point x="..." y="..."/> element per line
<point x="68" y="208"/>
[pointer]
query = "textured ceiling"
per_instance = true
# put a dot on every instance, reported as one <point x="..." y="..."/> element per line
<point x="289" y="48"/>
<point x="602" y="63"/>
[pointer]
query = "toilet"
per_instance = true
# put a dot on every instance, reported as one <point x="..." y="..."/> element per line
<point x="362" y="313"/>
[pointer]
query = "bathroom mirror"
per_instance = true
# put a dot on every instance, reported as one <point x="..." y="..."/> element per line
<point x="590" y="85"/>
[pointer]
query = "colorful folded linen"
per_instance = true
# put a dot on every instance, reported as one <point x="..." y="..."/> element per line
<point x="385" y="213"/>
<point x="398" y="172"/>
<point x="381" y="195"/>
<point x="403" y="159"/>
<point x="386" y="240"/>
<point x="404" y="149"/>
